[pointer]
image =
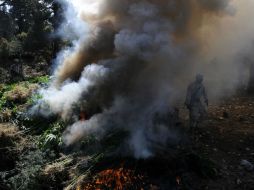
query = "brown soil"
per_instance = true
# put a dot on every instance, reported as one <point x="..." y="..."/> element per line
<point x="226" y="137"/>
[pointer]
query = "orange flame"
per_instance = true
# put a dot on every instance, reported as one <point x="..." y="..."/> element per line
<point x="178" y="180"/>
<point x="117" y="179"/>
<point x="82" y="116"/>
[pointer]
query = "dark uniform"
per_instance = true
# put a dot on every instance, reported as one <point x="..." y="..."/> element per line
<point x="195" y="93"/>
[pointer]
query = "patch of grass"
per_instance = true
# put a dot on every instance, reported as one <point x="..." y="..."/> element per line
<point x="16" y="97"/>
<point x="2" y="102"/>
<point x="6" y="115"/>
<point x="41" y="79"/>
<point x="19" y="93"/>
<point x="34" y="98"/>
<point x="6" y="87"/>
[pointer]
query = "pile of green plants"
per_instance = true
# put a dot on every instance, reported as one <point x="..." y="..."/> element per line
<point x="17" y="97"/>
<point x="29" y="166"/>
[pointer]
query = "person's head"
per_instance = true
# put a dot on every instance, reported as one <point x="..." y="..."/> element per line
<point x="199" y="78"/>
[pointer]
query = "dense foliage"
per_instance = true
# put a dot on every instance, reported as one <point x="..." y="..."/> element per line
<point x="26" y="27"/>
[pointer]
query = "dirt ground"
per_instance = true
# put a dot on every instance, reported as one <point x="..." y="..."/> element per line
<point x="226" y="137"/>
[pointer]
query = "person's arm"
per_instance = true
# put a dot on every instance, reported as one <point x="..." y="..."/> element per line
<point x="205" y="96"/>
<point x="188" y="97"/>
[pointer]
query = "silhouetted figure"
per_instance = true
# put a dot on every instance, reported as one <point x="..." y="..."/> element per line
<point x="195" y="94"/>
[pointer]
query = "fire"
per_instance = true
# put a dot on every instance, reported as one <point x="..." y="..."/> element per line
<point x="118" y="179"/>
<point x="178" y="180"/>
<point x="82" y="116"/>
<point x="109" y="177"/>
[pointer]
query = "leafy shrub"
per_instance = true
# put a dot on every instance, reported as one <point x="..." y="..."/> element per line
<point x="15" y="47"/>
<point x="34" y="98"/>
<point x="10" y="48"/>
<point x="4" y="48"/>
<point x="52" y="137"/>
<point x="22" y="36"/>
<point x="2" y="102"/>
<point x="40" y="79"/>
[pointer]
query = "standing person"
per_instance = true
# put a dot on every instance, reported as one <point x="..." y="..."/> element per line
<point x="195" y="99"/>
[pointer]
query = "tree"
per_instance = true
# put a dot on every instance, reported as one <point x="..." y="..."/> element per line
<point x="7" y="26"/>
<point x="30" y="24"/>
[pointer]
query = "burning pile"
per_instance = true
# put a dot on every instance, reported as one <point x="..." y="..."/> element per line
<point x="129" y="60"/>
<point x="118" y="178"/>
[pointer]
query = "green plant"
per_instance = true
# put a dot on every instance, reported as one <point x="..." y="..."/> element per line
<point x="15" y="47"/>
<point x="4" y="48"/>
<point x="18" y="93"/>
<point x="34" y="98"/>
<point x="22" y="36"/>
<point x="52" y="137"/>
<point x="2" y="102"/>
<point x="10" y="47"/>
<point x="40" y="79"/>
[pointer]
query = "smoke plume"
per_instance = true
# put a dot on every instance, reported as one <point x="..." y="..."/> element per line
<point x="132" y="59"/>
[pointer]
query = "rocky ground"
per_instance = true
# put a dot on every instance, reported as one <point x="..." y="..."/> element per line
<point x="226" y="137"/>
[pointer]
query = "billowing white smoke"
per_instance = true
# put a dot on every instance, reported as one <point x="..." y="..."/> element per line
<point x="136" y="57"/>
<point x="62" y="100"/>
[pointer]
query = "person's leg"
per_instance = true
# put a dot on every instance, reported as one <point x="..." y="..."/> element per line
<point x="193" y="117"/>
<point x="202" y="112"/>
